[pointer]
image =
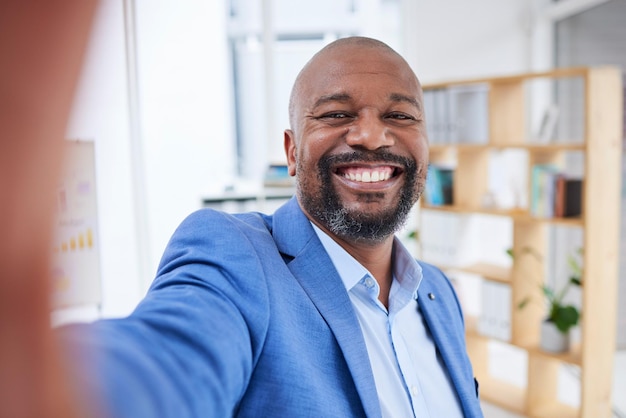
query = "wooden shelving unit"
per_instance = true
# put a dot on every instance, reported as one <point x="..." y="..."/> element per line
<point x="509" y="105"/>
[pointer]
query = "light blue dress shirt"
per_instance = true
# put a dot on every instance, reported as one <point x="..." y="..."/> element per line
<point x="411" y="379"/>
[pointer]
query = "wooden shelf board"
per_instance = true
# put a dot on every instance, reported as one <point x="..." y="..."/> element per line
<point x="503" y="394"/>
<point x="569" y="146"/>
<point x="529" y="146"/>
<point x="573" y="221"/>
<point x="555" y="409"/>
<point x="568" y="357"/>
<point x="471" y="331"/>
<point x="488" y="271"/>
<point x="468" y="210"/>
<point x="556" y="73"/>
<point x="515" y="214"/>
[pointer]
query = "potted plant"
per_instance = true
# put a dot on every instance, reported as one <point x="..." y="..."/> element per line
<point x="561" y="317"/>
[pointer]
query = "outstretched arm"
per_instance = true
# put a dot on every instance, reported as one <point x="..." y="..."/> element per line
<point x="41" y="49"/>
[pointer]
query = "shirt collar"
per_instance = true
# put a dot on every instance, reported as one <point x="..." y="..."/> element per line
<point x="350" y="270"/>
<point x="407" y="271"/>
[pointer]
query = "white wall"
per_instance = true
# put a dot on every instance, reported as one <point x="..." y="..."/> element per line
<point x="186" y="110"/>
<point x="184" y="130"/>
<point x="185" y="124"/>
<point x="101" y="114"/>
<point x="454" y="39"/>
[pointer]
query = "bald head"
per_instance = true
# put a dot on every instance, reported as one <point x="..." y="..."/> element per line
<point x="329" y="59"/>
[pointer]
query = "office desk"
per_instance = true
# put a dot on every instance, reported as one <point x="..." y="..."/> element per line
<point x="266" y="200"/>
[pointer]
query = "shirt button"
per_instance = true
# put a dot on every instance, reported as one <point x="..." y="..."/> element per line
<point x="414" y="391"/>
<point x="369" y="282"/>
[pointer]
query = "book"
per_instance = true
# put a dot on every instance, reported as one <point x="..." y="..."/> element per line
<point x="559" y="197"/>
<point x="568" y="197"/>
<point x="439" y="185"/>
<point x="573" y="197"/>
<point x="437" y="115"/>
<point x="542" y="188"/>
<point x="468" y="112"/>
<point x="495" y="317"/>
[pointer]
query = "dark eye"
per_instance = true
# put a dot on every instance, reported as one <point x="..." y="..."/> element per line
<point x="334" y="115"/>
<point x="400" y="116"/>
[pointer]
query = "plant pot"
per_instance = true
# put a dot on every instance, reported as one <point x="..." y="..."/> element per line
<point x="552" y="339"/>
<point x="575" y="338"/>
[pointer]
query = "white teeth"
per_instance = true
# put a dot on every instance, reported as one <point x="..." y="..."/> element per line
<point x="367" y="177"/>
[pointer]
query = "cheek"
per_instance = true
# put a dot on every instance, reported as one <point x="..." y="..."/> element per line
<point x="421" y="151"/>
<point x="309" y="154"/>
<point x="306" y="167"/>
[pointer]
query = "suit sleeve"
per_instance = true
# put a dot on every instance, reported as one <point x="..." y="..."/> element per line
<point x="190" y="346"/>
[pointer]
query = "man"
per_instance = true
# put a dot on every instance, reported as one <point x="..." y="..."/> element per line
<point x="316" y="310"/>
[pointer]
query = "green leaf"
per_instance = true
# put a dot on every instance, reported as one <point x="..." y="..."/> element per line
<point x="523" y="303"/>
<point x="574" y="265"/>
<point x="548" y="292"/>
<point x="564" y="317"/>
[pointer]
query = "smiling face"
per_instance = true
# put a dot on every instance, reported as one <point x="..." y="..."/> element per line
<point x="358" y="144"/>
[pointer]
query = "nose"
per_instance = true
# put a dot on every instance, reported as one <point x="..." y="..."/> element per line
<point x="370" y="132"/>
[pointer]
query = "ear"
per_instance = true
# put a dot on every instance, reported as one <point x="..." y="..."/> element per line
<point x="290" y="151"/>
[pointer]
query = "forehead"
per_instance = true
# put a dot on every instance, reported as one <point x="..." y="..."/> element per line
<point x="359" y="71"/>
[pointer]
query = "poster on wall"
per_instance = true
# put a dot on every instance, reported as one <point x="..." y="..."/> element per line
<point x="76" y="258"/>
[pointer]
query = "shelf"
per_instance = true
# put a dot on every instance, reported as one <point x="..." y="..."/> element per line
<point x="571" y="357"/>
<point x="583" y="140"/>
<point x="515" y="214"/>
<point x="470" y="210"/>
<point x="555" y="409"/>
<point x="516" y="78"/>
<point x="573" y="222"/>
<point x="504" y="395"/>
<point x="530" y="147"/>
<point x="487" y="271"/>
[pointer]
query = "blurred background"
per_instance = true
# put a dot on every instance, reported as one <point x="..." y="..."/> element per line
<point x="185" y="100"/>
<point x="184" y="103"/>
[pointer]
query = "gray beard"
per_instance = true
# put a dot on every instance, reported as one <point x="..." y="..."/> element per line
<point x="354" y="226"/>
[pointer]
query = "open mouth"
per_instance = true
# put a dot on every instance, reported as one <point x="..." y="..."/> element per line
<point x="368" y="174"/>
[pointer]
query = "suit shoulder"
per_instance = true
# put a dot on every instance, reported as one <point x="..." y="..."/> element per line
<point x="210" y="224"/>
<point x="208" y="233"/>
<point x="215" y="218"/>
<point x="434" y="274"/>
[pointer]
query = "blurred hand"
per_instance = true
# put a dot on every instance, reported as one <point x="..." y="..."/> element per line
<point x="42" y="44"/>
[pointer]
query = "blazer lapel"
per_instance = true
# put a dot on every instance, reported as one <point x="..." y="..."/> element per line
<point x="439" y="320"/>
<point x="315" y="272"/>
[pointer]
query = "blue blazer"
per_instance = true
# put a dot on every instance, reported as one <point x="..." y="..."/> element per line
<point x="248" y="317"/>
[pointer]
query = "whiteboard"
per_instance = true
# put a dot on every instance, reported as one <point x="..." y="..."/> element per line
<point x="76" y="278"/>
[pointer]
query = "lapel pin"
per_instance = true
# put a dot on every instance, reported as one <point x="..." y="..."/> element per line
<point x="431" y="296"/>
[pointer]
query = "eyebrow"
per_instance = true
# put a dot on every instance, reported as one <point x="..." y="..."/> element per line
<point x="339" y="97"/>
<point x="396" y="97"/>
<point x="344" y="97"/>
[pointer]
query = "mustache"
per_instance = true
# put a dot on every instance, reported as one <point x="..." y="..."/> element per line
<point x="378" y="156"/>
